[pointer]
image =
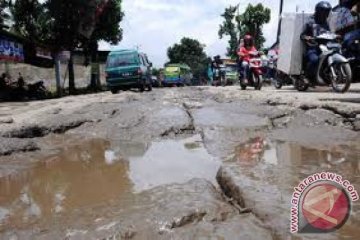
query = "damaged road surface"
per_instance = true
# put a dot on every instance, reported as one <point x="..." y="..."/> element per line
<point x="177" y="163"/>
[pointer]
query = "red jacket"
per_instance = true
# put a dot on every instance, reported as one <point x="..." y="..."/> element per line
<point x="244" y="54"/>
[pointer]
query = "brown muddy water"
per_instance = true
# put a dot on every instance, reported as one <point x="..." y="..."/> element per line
<point x="96" y="179"/>
<point x="83" y="182"/>
<point x="289" y="159"/>
<point x="277" y="167"/>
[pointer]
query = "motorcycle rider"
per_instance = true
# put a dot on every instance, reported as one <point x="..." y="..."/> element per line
<point x="244" y="55"/>
<point x="216" y="65"/>
<point x="210" y="72"/>
<point x="315" y="27"/>
<point x="272" y="57"/>
<point x="347" y="23"/>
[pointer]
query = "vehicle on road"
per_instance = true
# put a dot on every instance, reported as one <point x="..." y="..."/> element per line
<point x="353" y="53"/>
<point x="333" y="68"/>
<point x="255" y="74"/>
<point x="177" y="75"/>
<point x="281" y="79"/>
<point x="345" y="21"/>
<point x="231" y="72"/>
<point x="270" y="70"/>
<point x="155" y="81"/>
<point x="127" y="69"/>
<point x="220" y="75"/>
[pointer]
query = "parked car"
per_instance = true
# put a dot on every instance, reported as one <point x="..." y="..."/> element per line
<point x="127" y="69"/>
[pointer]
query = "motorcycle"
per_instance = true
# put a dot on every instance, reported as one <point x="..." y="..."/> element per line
<point x="353" y="53"/>
<point x="281" y="79"/>
<point x="272" y="74"/>
<point x="333" y="68"/>
<point x="37" y="91"/>
<point x="255" y="73"/>
<point x="219" y="76"/>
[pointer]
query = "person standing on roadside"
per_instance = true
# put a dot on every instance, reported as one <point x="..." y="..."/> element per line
<point x="210" y="73"/>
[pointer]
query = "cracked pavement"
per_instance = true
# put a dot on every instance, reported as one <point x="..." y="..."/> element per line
<point x="261" y="145"/>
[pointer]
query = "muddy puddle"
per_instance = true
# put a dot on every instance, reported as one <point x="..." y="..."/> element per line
<point x="172" y="162"/>
<point x="269" y="171"/>
<point x="81" y="183"/>
<point x="299" y="160"/>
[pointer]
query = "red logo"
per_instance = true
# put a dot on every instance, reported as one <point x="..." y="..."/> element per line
<point x="326" y="207"/>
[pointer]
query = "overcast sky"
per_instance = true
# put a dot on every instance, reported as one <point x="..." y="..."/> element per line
<point x="154" y="25"/>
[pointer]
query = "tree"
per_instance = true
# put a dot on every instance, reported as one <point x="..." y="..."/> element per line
<point x="108" y="29"/>
<point x="190" y="52"/>
<point x="59" y="24"/>
<point x="250" y="22"/>
<point x="228" y="28"/>
<point x="155" y="71"/>
<point x="30" y="19"/>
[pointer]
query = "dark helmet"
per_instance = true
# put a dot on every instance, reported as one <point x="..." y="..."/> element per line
<point x="322" y="11"/>
<point x="248" y="41"/>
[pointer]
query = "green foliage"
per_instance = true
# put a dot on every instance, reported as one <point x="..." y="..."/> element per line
<point x="190" y="52"/>
<point x="32" y="20"/>
<point x="155" y="71"/>
<point x="56" y="23"/>
<point x="250" y="22"/>
<point x="108" y="25"/>
<point x="228" y="28"/>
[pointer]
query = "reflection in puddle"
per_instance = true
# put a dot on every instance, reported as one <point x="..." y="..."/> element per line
<point x="3" y="214"/>
<point x="172" y="161"/>
<point x="290" y="162"/>
<point x="275" y="168"/>
<point x="298" y="158"/>
<point x="76" y="178"/>
<point x="83" y="182"/>
<point x="110" y="157"/>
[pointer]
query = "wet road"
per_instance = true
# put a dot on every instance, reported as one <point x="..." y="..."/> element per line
<point x="179" y="163"/>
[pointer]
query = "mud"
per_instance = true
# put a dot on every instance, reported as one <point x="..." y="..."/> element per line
<point x="80" y="184"/>
<point x="262" y="174"/>
<point x="59" y="185"/>
<point x="146" y="166"/>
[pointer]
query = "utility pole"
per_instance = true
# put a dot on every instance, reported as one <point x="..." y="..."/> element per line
<point x="280" y="16"/>
<point x="58" y="75"/>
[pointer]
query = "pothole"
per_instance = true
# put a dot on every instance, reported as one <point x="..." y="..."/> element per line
<point x="261" y="175"/>
<point x="97" y="178"/>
